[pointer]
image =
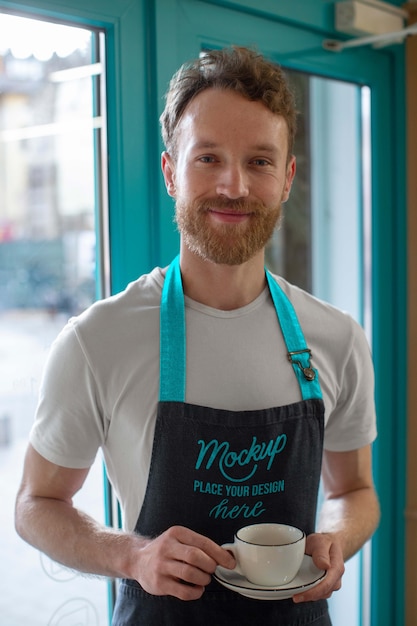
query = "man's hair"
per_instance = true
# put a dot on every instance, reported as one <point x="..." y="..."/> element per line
<point x="242" y="70"/>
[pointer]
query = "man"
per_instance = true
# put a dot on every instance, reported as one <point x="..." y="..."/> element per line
<point x="272" y="390"/>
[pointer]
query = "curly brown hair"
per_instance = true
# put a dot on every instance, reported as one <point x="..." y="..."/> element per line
<point x="239" y="69"/>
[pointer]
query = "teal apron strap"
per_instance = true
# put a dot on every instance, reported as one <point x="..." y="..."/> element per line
<point x="298" y="352"/>
<point x="172" y="337"/>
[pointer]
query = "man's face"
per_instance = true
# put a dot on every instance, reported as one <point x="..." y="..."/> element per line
<point x="230" y="176"/>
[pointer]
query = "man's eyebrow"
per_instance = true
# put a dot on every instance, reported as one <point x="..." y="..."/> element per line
<point x="208" y="145"/>
<point x="266" y="147"/>
<point x="204" y="145"/>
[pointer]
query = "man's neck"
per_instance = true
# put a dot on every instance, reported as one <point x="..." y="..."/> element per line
<point x="223" y="287"/>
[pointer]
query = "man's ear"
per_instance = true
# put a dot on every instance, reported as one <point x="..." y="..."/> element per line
<point x="289" y="177"/>
<point x="168" y="171"/>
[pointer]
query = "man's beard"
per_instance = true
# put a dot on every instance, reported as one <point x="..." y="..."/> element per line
<point x="227" y="243"/>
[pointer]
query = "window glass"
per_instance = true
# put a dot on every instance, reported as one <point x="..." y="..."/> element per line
<point x="289" y="252"/>
<point x="323" y="244"/>
<point x="51" y="126"/>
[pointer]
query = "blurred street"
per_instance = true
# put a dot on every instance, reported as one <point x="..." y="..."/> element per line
<point x="34" y="591"/>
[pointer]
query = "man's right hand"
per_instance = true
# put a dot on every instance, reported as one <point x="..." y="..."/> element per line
<point x="179" y="563"/>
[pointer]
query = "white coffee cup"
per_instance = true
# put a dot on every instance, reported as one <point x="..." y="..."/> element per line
<point x="268" y="555"/>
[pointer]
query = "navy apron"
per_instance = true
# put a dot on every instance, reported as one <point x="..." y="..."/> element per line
<point x="216" y="470"/>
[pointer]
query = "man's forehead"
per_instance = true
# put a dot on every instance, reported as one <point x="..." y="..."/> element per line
<point x="214" y="98"/>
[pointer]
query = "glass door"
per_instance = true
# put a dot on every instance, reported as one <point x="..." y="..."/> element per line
<point x="339" y="234"/>
<point x="53" y="264"/>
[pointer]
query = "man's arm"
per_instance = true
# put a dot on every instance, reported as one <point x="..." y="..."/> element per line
<point x="47" y="519"/>
<point x="351" y="508"/>
<point x="348" y="517"/>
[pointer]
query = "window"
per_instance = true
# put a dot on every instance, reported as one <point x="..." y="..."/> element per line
<point x="52" y="265"/>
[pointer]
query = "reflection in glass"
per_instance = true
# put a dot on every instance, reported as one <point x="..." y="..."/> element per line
<point x="50" y="126"/>
<point x="289" y="252"/>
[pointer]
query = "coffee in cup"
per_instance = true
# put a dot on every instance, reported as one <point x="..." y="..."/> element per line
<point x="268" y="555"/>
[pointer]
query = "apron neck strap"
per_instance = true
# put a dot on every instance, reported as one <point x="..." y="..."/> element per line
<point x="172" y="336"/>
<point x="173" y="339"/>
<point x="298" y="354"/>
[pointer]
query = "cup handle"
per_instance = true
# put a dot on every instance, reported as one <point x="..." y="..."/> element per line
<point x="230" y="547"/>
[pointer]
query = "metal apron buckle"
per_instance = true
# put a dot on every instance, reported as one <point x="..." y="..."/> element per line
<point x="308" y="372"/>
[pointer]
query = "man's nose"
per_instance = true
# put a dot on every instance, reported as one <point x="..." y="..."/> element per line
<point x="233" y="182"/>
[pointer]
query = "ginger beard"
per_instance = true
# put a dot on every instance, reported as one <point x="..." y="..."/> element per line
<point x="227" y="243"/>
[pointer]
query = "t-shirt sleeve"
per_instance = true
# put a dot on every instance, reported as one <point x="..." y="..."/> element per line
<point x="352" y="423"/>
<point x="69" y="425"/>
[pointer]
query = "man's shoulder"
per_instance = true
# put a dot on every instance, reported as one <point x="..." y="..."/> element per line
<point x="319" y="318"/>
<point x="144" y="293"/>
<point x="129" y="316"/>
<point x="301" y="298"/>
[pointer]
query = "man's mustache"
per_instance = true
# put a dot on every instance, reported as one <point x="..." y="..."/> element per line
<point x="238" y="205"/>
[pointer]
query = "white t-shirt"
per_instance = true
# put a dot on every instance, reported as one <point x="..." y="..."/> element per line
<point x="101" y="382"/>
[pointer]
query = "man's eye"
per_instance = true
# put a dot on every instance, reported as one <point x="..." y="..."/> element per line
<point x="261" y="162"/>
<point x="206" y="159"/>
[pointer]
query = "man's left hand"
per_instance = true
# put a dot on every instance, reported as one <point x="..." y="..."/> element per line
<point x="326" y="553"/>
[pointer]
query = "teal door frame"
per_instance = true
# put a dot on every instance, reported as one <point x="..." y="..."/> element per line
<point x="146" y="41"/>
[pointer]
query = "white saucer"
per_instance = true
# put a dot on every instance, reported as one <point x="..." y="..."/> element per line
<point x="308" y="576"/>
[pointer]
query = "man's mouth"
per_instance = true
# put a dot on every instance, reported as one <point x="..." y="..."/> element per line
<point x="229" y="215"/>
